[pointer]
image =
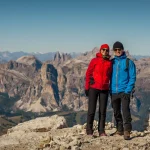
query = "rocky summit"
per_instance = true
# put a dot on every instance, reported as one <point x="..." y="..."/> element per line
<point x="52" y="133"/>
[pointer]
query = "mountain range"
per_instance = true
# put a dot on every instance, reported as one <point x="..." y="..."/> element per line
<point x="6" y="56"/>
<point x="29" y="85"/>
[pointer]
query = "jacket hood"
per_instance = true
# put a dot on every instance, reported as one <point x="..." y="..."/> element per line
<point x="99" y="55"/>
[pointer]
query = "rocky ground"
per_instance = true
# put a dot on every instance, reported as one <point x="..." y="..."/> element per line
<point x="52" y="133"/>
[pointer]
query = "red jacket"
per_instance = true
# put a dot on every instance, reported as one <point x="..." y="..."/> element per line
<point x="100" y="69"/>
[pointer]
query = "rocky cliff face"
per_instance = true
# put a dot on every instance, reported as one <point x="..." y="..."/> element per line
<point x="30" y="83"/>
<point x="42" y="93"/>
<point x="51" y="133"/>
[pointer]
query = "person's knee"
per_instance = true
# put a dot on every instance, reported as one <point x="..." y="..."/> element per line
<point x="91" y="114"/>
<point x="103" y="114"/>
<point x="126" y="110"/>
<point x="116" y="112"/>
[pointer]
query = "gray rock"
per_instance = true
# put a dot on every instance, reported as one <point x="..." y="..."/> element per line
<point x="115" y="148"/>
<point x="62" y="148"/>
<point x="75" y="148"/>
<point x="125" y="148"/>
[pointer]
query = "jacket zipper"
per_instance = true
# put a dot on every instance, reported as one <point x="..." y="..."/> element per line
<point x="102" y="75"/>
<point x="117" y="77"/>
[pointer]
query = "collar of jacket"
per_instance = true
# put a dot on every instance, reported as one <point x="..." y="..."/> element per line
<point x="99" y="55"/>
<point x="123" y="56"/>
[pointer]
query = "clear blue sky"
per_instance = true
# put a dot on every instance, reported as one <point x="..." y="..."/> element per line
<point x="74" y="25"/>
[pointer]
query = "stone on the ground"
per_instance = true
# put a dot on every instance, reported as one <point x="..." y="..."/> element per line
<point x="52" y="134"/>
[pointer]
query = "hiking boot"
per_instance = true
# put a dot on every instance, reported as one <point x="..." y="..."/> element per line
<point x="89" y="132"/>
<point x="126" y="135"/>
<point x="102" y="134"/>
<point x="120" y="133"/>
<point x="90" y="135"/>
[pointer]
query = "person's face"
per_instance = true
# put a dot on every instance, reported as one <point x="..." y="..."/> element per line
<point x="105" y="51"/>
<point x="118" y="51"/>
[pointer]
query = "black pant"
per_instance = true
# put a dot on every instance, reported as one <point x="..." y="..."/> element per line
<point x="103" y="98"/>
<point x="117" y="100"/>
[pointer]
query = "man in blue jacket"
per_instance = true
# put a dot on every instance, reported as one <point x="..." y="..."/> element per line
<point x="122" y="83"/>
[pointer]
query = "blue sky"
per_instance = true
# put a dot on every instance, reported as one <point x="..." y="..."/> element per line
<point x="74" y="25"/>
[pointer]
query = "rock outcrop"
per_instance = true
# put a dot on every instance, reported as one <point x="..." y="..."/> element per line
<point x="51" y="133"/>
<point x="42" y="93"/>
<point x="30" y="60"/>
<point x="61" y="57"/>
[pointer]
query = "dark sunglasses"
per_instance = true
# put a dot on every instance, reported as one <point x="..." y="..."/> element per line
<point x="107" y="50"/>
<point x="119" y="49"/>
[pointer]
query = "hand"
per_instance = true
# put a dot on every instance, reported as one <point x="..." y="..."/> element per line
<point x="87" y="93"/>
<point x="92" y="80"/>
<point x="126" y="95"/>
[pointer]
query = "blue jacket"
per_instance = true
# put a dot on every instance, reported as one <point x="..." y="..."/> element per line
<point x="122" y="80"/>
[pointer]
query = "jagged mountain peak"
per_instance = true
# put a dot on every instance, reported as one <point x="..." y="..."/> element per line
<point x="61" y="57"/>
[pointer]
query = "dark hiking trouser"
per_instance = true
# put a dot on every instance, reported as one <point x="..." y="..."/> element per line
<point x="103" y="98"/>
<point x="117" y="101"/>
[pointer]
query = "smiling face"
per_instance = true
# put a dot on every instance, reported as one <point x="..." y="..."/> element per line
<point x="118" y="51"/>
<point x="104" y="51"/>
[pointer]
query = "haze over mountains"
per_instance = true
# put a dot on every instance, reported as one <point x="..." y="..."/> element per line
<point x="6" y="56"/>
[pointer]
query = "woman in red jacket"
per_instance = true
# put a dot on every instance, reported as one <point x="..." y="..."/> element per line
<point x="97" y="85"/>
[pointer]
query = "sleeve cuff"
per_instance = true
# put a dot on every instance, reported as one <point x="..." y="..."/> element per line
<point x="127" y="92"/>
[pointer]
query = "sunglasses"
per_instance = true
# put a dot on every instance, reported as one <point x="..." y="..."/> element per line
<point x="107" y="50"/>
<point x="119" y="49"/>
